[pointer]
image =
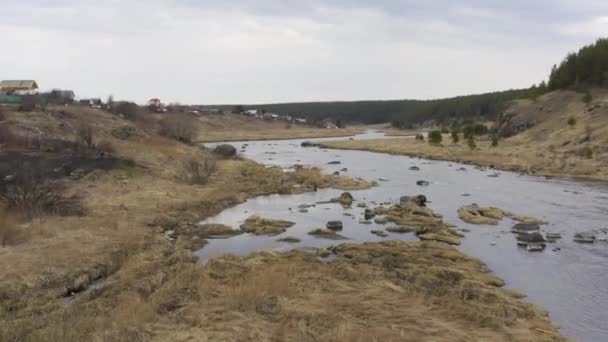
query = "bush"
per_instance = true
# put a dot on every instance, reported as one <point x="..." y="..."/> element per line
<point x="129" y="110"/>
<point x="572" y="121"/>
<point x="475" y="129"/>
<point x="84" y="145"/>
<point x="2" y="116"/>
<point x="455" y="137"/>
<point x="494" y="141"/>
<point x="32" y="194"/>
<point x="587" y="98"/>
<point x="420" y="137"/>
<point x="471" y="142"/>
<point x="181" y="127"/>
<point x="198" y="172"/>
<point x="445" y="130"/>
<point x="435" y="137"/>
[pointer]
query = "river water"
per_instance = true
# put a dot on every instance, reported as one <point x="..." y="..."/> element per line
<point x="568" y="279"/>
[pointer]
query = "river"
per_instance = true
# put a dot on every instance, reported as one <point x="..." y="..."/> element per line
<point x="568" y="279"/>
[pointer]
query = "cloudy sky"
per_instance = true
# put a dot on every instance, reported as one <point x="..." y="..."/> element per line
<point x="260" y="51"/>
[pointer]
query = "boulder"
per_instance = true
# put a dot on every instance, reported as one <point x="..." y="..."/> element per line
<point x="225" y="150"/>
<point x="420" y="200"/>
<point x="369" y="214"/>
<point x="334" y="225"/>
<point x="525" y="228"/>
<point x="531" y="238"/>
<point x="380" y="233"/>
<point x="326" y="234"/>
<point x="414" y="168"/>
<point x="335" y="162"/>
<point x="423" y="183"/>
<point x="309" y="144"/>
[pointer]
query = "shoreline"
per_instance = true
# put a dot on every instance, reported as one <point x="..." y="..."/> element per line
<point x="352" y="132"/>
<point x="344" y="145"/>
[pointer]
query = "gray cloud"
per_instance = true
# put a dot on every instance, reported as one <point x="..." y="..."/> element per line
<point x="269" y="50"/>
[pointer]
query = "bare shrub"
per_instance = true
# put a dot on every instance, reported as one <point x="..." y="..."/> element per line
<point x="32" y="194"/>
<point x="181" y="127"/>
<point x="198" y="171"/>
<point x="2" y="116"/>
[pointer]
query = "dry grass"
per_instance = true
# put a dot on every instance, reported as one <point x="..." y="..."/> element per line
<point x="391" y="291"/>
<point x="154" y="290"/>
<point x="232" y="127"/>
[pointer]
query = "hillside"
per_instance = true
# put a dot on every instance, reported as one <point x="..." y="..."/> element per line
<point x="402" y="113"/>
<point x="537" y="138"/>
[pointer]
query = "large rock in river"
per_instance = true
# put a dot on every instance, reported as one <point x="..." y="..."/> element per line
<point x="420" y="200"/>
<point x="225" y="150"/>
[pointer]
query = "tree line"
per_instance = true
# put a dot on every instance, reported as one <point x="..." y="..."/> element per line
<point x="586" y="68"/>
<point x="402" y="113"/>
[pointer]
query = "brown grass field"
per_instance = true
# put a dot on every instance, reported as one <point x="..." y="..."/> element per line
<point x="154" y="289"/>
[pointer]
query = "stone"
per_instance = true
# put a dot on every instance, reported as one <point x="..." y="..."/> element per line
<point x="225" y="150"/>
<point x="531" y="238"/>
<point x="414" y="168"/>
<point x="335" y="162"/>
<point x="525" y="228"/>
<point x="423" y="183"/>
<point x="334" y="225"/>
<point x="309" y="144"/>
<point x="326" y="234"/>
<point x="420" y="200"/>
<point x="369" y="214"/>
<point x="379" y="233"/>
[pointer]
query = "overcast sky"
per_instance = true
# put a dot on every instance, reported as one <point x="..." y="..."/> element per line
<point x="259" y="51"/>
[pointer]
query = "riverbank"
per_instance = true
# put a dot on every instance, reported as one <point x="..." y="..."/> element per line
<point x="508" y="156"/>
<point x="124" y="268"/>
<point x="232" y="127"/>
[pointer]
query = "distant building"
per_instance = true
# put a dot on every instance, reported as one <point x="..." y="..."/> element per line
<point x="95" y="103"/>
<point x="329" y="124"/>
<point x="251" y="112"/>
<point x="155" y="105"/>
<point x="19" y="86"/>
<point x="301" y="120"/>
<point x="59" y="96"/>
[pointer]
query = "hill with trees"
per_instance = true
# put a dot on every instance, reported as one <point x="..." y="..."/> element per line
<point x="586" y="68"/>
<point x="402" y="113"/>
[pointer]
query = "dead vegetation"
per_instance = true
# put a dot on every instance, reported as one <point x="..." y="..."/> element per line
<point x="475" y="214"/>
<point x="390" y="291"/>
<point x="181" y="127"/>
<point x="30" y="192"/>
<point x="198" y="171"/>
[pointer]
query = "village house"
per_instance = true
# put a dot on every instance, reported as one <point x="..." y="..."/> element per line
<point x="95" y="103"/>
<point x="329" y="124"/>
<point x="22" y="87"/>
<point x="59" y="96"/>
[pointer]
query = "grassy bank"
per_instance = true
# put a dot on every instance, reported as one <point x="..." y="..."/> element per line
<point x="150" y="288"/>
<point x="552" y="147"/>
